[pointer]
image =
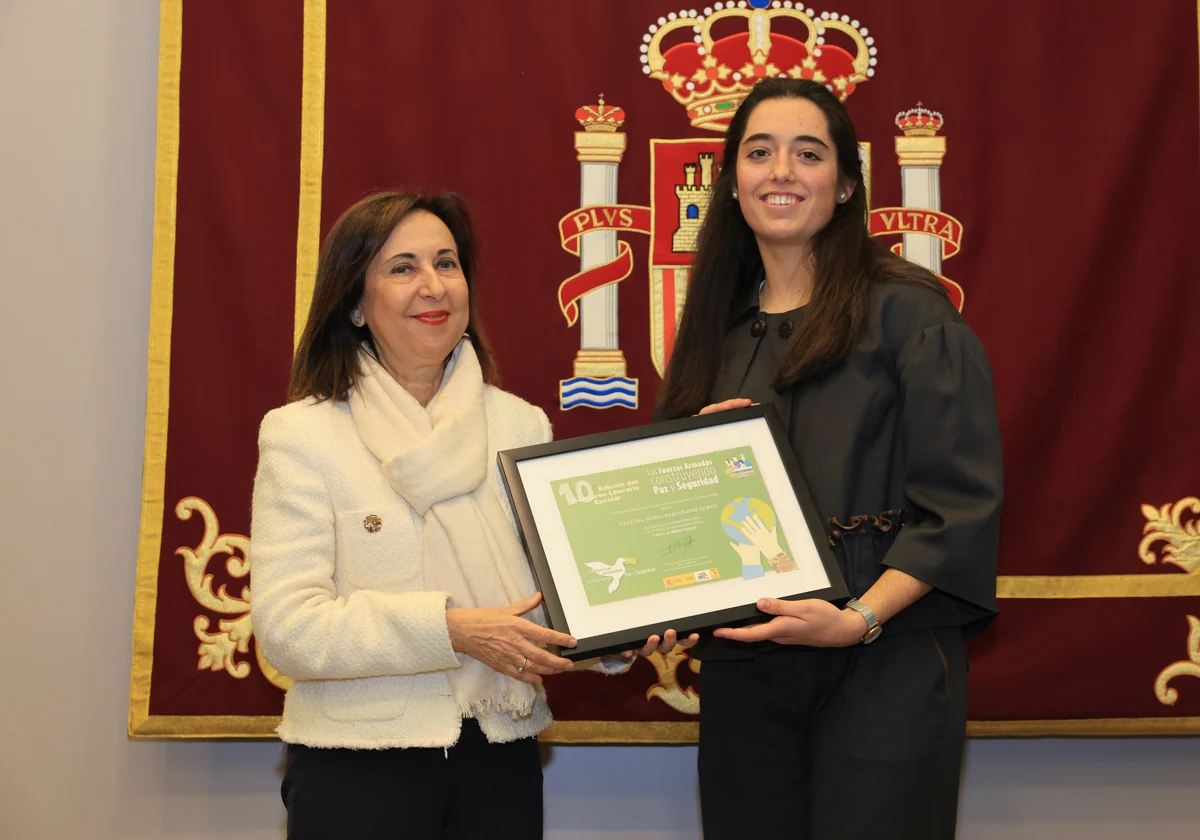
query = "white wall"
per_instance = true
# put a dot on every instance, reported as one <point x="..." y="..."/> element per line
<point x="77" y="88"/>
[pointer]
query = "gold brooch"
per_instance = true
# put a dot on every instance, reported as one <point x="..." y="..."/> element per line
<point x="372" y="523"/>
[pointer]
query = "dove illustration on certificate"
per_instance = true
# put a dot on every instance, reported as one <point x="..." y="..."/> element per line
<point x="614" y="572"/>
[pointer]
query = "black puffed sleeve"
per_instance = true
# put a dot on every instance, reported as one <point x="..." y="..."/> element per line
<point x="953" y="472"/>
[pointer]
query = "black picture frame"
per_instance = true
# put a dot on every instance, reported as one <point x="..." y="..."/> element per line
<point x="531" y="522"/>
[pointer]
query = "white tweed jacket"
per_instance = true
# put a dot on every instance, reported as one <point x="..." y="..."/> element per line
<point x="339" y="605"/>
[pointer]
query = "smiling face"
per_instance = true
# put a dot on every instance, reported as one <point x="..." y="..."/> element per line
<point x="415" y="299"/>
<point x="787" y="174"/>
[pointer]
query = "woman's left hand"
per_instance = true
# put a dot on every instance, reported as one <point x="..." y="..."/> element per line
<point x="664" y="645"/>
<point x="812" y="622"/>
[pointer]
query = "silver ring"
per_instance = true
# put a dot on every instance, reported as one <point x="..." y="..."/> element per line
<point x="524" y="662"/>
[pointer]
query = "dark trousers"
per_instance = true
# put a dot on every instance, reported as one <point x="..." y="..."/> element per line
<point x="860" y="743"/>
<point x="473" y="790"/>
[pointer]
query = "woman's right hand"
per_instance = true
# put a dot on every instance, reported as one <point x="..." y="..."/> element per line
<point x="664" y="644"/>
<point x="736" y="402"/>
<point x="499" y="638"/>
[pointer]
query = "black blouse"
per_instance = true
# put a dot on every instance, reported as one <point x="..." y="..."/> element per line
<point x="899" y="446"/>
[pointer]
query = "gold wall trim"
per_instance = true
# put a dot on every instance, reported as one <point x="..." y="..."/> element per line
<point x="680" y="733"/>
<point x="621" y="732"/>
<point x="673" y="733"/>
<point x="158" y="375"/>
<point x="211" y="727"/>
<point x="312" y="157"/>
<point x="1065" y="587"/>
<point x="1094" y="727"/>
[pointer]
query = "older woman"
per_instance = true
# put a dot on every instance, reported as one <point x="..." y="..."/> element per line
<point x="389" y="582"/>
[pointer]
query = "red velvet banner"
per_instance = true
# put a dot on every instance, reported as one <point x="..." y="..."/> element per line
<point x="1044" y="170"/>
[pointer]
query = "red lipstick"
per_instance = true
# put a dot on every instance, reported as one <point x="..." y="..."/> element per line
<point x="433" y="318"/>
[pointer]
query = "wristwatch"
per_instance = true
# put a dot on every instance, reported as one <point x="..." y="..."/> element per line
<point x="874" y="628"/>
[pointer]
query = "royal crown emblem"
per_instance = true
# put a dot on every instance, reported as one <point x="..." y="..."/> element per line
<point x="600" y="117"/>
<point x="734" y="45"/>
<point x="915" y="122"/>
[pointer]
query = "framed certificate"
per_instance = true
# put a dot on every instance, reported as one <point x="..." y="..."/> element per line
<point x="678" y="525"/>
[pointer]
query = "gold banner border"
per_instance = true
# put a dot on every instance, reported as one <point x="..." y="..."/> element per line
<point x="674" y="733"/>
<point x="158" y="375"/>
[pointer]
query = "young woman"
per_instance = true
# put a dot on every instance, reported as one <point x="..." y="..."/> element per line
<point x="831" y="721"/>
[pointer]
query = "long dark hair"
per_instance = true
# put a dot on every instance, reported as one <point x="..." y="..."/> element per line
<point x="728" y="265"/>
<point x="326" y="363"/>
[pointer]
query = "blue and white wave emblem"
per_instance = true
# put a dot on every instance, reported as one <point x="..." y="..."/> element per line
<point x="598" y="392"/>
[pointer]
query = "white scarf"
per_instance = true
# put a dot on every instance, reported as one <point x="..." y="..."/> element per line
<point x="436" y="458"/>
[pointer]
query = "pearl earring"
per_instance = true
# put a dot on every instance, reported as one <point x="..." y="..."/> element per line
<point x="735" y="193"/>
<point x="842" y="197"/>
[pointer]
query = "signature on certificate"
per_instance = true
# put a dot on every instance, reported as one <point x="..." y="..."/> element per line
<point x="682" y="544"/>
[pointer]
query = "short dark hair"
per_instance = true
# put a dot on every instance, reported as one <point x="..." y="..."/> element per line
<point x="728" y="266"/>
<point x="326" y="362"/>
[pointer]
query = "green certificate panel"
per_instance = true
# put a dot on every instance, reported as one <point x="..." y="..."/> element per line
<point x="696" y="521"/>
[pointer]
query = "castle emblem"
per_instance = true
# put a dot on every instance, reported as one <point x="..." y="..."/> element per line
<point x="693" y="203"/>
